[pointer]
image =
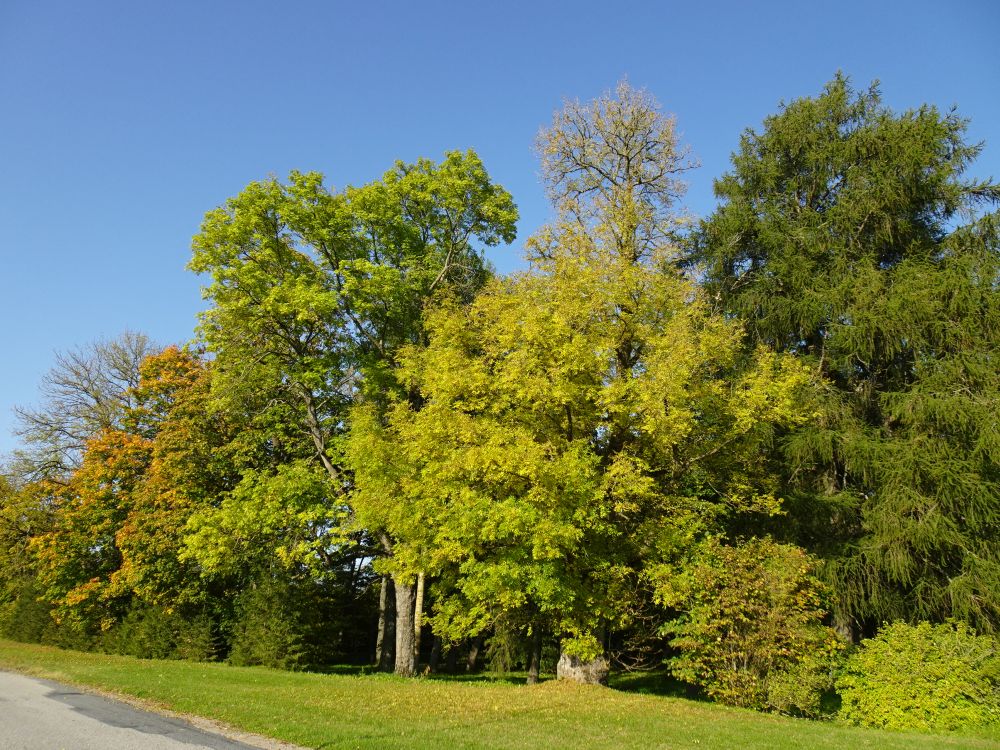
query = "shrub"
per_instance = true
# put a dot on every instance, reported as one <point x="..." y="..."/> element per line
<point x="751" y="633"/>
<point x="25" y="617"/>
<point x="269" y="630"/>
<point x="922" y="677"/>
<point x="156" y="632"/>
<point x="799" y="690"/>
<point x="145" y="632"/>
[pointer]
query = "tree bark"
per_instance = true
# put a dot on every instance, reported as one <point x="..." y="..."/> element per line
<point x="535" y="665"/>
<point x="435" y="659"/>
<point x="386" y="638"/>
<point x="418" y="616"/>
<point x="405" y="601"/>
<point x="575" y="669"/>
<point x="843" y="625"/>
<point x="451" y="662"/>
<point x="477" y="645"/>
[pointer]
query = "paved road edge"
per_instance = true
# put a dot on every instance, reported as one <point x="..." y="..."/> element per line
<point x="203" y="723"/>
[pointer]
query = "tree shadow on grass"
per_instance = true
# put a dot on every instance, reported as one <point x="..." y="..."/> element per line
<point x="367" y="670"/>
<point x="654" y="683"/>
<point x="486" y="678"/>
<point x="641" y="682"/>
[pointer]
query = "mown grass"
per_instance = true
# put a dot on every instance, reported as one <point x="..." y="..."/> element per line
<point x="375" y="711"/>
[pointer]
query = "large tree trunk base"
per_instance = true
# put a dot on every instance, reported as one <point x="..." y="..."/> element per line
<point x="385" y="646"/>
<point x="574" y="669"/>
<point x="535" y="665"/>
<point x="406" y="595"/>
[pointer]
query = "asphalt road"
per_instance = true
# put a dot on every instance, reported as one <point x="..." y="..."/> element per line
<point x="43" y="715"/>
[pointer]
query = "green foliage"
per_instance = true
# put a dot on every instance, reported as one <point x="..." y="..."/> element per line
<point x="314" y="288"/>
<point x="24" y="615"/>
<point x="285" y="517"/>
<point x="839" y="239"/>
<point x="267" y="631"/>
<point x="24" y="514"/>
<point x="144" y="633"/>
<point x="805" y="689"/>
<point x="284" y="623"/>
<point x="750" y="632"/>
<point x="924" y="677"/>
<point x="574" y="422"/>
<point x="314" y="293"/>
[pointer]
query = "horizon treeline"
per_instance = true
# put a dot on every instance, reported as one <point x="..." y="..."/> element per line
<point x="730" y="448"/>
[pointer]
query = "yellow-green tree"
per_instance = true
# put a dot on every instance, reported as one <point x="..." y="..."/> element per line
<point x="582" y="419"/>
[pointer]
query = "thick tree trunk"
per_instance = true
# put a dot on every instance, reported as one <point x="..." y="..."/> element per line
<point x="574" y="669"/>
<point x="477" y="645"/>
<point x="418" y="616"/>
<point x="386" y="638"/>
<point x="451" y="662"/>
<point x="435" y="659"/>
<point x="405" y="600"/>
<point x="844" y="627"/>
<point x="535" y="664"/>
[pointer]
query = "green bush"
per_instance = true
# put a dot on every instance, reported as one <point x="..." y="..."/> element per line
<point x="145" y="632"/>
<point x="196" y="639"/>
<point x="750" y="631"/>
<point x="799" y="690"/>
<point x="922" y="677"/>
<point x="24" y="616"/>
<point x="154" y="632"/>
<point x="269" y="630"/>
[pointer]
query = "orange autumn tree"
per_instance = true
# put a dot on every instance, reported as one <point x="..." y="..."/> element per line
<point x="78" y="555"/>
<point x="120" y="518"/>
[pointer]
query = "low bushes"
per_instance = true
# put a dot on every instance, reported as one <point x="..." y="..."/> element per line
<point x="922" y="677"/>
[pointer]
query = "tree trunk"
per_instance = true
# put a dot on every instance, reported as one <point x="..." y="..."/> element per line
<point x="477" y="645"/>
<point x="386" y="638"/>
<point x="435" y="659"/>
<point x="534" y="667"/>
<point x="575" y="669"/>
<point x="451" y="663"/>
<point x="843" y="625"/>
<point x="418" y="616"/>
<point x="405" y="601"/>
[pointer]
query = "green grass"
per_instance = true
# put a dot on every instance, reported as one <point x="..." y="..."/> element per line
<point x="375" y="711"/>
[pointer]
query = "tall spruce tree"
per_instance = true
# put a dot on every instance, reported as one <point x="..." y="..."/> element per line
<point x="848" y="235"/>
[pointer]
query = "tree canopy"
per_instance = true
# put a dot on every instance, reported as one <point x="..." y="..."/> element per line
<point x="840" y="238"/>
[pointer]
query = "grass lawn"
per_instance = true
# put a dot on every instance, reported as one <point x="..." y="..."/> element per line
<point x="376" y="711"/>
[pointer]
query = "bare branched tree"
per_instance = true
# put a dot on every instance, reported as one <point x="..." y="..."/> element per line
<point x="616" y="161"/>
<point x="87" y="390"/>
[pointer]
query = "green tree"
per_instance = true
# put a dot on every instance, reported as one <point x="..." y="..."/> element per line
<point x="24" y="514"/>
<point x="315" y="292"/>
<point x="574" y="422"/>
<point x="840" y="239"/>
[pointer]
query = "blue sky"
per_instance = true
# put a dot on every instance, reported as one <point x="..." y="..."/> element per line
<point x="121" y="123"/>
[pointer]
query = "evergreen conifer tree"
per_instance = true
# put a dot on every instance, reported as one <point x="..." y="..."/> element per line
<point x="848" y="235"/>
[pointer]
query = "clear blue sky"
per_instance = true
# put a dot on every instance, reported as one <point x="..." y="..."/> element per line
<point x="121" y="123"/>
